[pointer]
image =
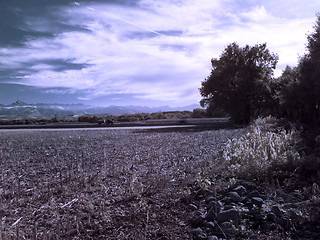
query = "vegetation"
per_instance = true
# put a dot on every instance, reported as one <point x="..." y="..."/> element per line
<point x="264" y="152"/>
<point x="139" y="116"/>
<point x="279" y="154"/>
<point x="299" y="86"/>
<point x="241" y="83"/>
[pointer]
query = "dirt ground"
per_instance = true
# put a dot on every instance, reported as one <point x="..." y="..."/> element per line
<point x="103" y="184"/>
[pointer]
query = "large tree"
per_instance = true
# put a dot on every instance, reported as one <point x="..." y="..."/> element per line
<point x="300" y="93"/>
<point x="239" y="83"/>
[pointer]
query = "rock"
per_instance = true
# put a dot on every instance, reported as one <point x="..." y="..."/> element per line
<point x="283" y="222"/>
<point x="210" y="225"/>
<point x="216" y="205"/>
<point x="271" y="217"/>
<point x="199" y="212"/>
<point x="254" y="193"/>
<point x="257" y="201"/>
<point x="240" y="190"/>
<point x="211" y="215"/>
<point x="193" y="207"/>
<point x="228" y="228"/>
<point x="277" y="211"/>
<point x="226" y="200"/>
<point x="249" y="205"/>
<point x="199" y="234"/>
<point x="235" y="197"/>
<point x="197" y="221"/>
<point x="257" y="215"/>
<point x="268" y="226"/>
<point x="296" y="215"/>
<point x="213" y="237"/>
<point x="2" y="213"/>
<point x="228" y="207"/>
<point x="229" y="215"/>
<point x="210" y="199"/>
<point x="317" y="142"/>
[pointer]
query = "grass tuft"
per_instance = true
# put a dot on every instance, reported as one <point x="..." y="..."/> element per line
<point x="263" y="153"/>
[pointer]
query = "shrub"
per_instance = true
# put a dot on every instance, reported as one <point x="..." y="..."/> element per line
<point x="263" y="152"/>
<point x="198" y="113"/>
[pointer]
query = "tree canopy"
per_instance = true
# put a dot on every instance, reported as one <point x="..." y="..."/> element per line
<point x="300" y="86"/>
<point x="239" y="83"/>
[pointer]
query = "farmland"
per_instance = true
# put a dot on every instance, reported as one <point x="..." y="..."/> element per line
<point x="103" y="183"/>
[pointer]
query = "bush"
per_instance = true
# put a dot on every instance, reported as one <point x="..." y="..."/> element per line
<point x="263" y="152"/>
<point x="88" y="118"/>
<point x="198" y="113"/>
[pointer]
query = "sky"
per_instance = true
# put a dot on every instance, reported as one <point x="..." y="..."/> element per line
<point x="136" y="52"/>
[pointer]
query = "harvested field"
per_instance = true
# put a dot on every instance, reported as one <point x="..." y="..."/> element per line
<point x="102" y="184"/>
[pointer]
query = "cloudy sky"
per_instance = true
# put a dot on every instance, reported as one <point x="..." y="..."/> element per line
<point x="135" y="52"/>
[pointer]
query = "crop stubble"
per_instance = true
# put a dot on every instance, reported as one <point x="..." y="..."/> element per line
<point x="101" y="184"/>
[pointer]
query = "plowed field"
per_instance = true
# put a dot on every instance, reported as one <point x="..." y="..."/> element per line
<point x="102" y="184"/>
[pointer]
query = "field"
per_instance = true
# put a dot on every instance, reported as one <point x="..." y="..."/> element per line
<point x="103" y="184"/>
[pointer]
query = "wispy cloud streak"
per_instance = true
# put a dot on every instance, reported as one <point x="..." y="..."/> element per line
<point x="153" y="50"/>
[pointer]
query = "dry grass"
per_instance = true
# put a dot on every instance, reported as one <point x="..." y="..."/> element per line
<point x="262" y="152"/>
<point x="111" y="184"/>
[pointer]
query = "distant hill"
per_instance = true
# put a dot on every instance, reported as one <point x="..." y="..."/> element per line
<point x="20" y="110"/>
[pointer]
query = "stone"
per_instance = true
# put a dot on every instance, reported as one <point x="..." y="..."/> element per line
<point x="283" y="222"/>
<point x="257" y="215"/>
<point x="257" y="201"/>
<point x="249" y="205"/>
<point x="241" y="190"/>
<point x="228" y="228"/>
<point x="210" y="199"/>
<point x="235" y="197"/>
<point x="271" y="217"/>
<point x="197" y="221"/>
<point x="213" y="237"/>
<point x="210" y="225"/>
<point x="193" y="207"/>
<point x="296" y="215"/>
<point x="211" y="215"/>
<point x="277" y="211"/>
<point x="216" y="205"/>
<point x="228" y="207"/>
<point x="226" y="200"/>
<point x="268" y="226"/>
<point x="229" y="215"/>
<point x="199" y="234"/>
<point x="254" y="193"/>
<point x="317" y="142"/>
<point x="199" y="212"/>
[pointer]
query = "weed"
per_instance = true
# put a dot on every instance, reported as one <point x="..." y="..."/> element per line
<point x="263" y="152"/>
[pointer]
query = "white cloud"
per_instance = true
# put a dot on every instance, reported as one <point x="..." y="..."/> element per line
<point x="158" y="50"/>
<point x="257" y="14"/>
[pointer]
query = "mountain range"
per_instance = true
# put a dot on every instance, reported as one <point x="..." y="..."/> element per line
<point x="21" y="110"/>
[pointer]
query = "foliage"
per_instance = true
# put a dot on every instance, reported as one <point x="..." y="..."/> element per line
<point x="262" y="152"/>
<point x="300" y="86"/>
<point x="137" y="116"/>
<point x="88" y="118"/>
<point x="239" y="83"/>
<point x="198" y="113"/>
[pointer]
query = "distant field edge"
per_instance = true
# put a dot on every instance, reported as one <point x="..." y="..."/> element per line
<point x="201" y="122"/>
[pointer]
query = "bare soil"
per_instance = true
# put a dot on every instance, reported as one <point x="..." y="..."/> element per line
<point x="103" y="184"/>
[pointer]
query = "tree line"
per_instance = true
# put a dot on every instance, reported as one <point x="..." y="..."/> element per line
<point x="242" y="83"/>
